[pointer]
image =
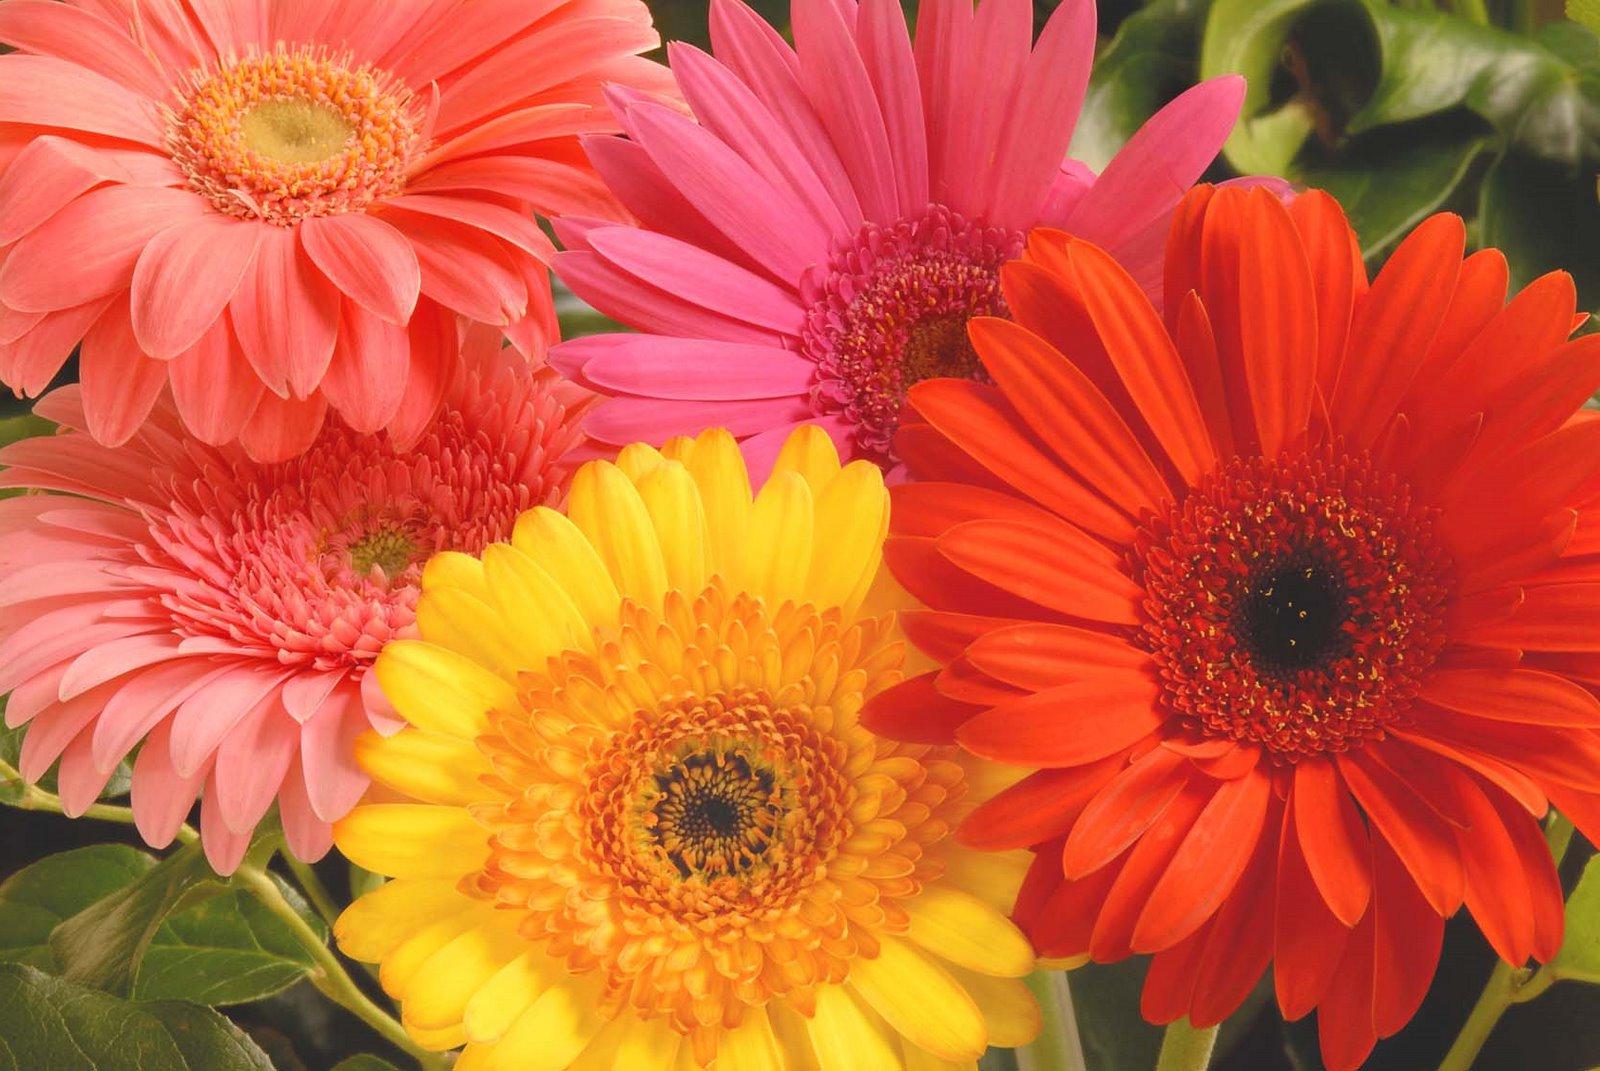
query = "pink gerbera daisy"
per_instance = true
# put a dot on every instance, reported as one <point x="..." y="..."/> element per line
<point x="225" y="612"/>
<point x="278" y="206"/>
<point x="816" y="243"/>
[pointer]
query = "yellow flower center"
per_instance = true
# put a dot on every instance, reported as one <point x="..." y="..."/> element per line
<point x="294" y="133"/>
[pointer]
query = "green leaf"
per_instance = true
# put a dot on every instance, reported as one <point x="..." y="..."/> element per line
<point x="1579" y="958"/>
<point x="1248" y="37"/>
<point x="364" y="1062"/>
<point x="38" y="898"/>
<point x="103" y="944"/>
<point x="225" y="949"/>
<point x="1392" y="180"/>
<point x="1149" y="61"/>
<point x="48" y="1024"/>
<point x="1113" y="1032"/>
<point x="1543" y="217"/>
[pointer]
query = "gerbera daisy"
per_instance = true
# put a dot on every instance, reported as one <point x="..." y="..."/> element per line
<point x="1272" y="595"/>
<point x="816" y="243"/>
<point x="225" y="613"/>
<point x="278" y="206"/>
<point x="636" y="821"/>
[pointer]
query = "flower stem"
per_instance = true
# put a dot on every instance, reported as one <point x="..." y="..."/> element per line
<point x="1058" y="1047"/>
<point x="312" y="886"/>
<point x="1507" y="985"/>
<point x="330" y="977"/>
<point x="1185" y="1047"/>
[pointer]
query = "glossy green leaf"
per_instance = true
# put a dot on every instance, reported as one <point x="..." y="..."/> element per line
<point x="1586" y="12"/>
<point x="103" y="944"/>
<point x="38" y="898"/>
<point x="49" y="1024"/>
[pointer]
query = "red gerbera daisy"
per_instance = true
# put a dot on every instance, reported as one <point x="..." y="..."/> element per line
<point x="1290" y="600"/>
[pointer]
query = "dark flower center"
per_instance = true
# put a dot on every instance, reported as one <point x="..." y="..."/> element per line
<point x="1293" y="615"/>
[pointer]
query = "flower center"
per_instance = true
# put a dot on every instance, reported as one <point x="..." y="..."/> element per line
<point x="1294" y="604"/>
<point x="389" y="550"/>
<point x="713" y="812"/>
<point x="891" y="310"/>
<point x="292" y="134"/>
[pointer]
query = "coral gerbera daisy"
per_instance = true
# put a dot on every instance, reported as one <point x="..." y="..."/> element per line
<point x="1272" y="595"/>
<point x="816" y="243"/>
<point x="639" y="823"/>
<point x="221" y="615"/>
<point x="279" y="207"/>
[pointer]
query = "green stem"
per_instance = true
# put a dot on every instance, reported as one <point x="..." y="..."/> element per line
<point x="330" y="977"/>
<point x="35" y="798"/>
<point x="1058" y="1047"/>
<point x="1507" y="985"/>
<point x="312" y="886"/>
<point x="1185" y="1047"/>
<point x="1475" y="10"/>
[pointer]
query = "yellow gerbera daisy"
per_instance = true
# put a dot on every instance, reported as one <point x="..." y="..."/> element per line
<point x="638" y="823"/>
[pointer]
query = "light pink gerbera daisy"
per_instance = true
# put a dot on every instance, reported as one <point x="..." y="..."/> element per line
<point x="225" y="612"/>
<point x="280" y="206"/>
<point x="816" y="243"/>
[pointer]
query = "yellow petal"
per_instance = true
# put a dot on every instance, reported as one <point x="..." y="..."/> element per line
<point x="438" y="1040"/>
<point x="431" y="767"/>
<point x="810" y="454"/>
<point x="1007" y="1004"/>
<point x="966" y="931"/>
<point x="752" y="1047"/>
<point x="845" y="1035"/>
<point x="921" y="1000"/>
<point x="452" y="569"/>
<point x="554" y="1029"/>
<point x="462" y="622"/>
<point x="371" y="929"/>
<point x="637" y="459"/>
<point x="994" y="877"/>
<point x="557" y="546"/>
<point x="401" y="966"/>
<point x="412" y="840"/>
<point x="437" y="995"/>
<point x="606" y="507"/>
<point x="718" y="469"/>
<point x="793" y="1033"/>
<point x="852" y="521"/>
<point x="673" y="502"/>
<point x="541" y="619"/>
<point x="647" y="1045"/>
<point x="439" y="690"/>
<point x="505" y="996"/>
<point x="778" y="547"/>
<point x="921" y="1060"/>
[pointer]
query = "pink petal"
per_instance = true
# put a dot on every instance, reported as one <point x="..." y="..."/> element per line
<point x="32" y="361"/>
<point x="433" y="47"/>
<point x="620" y="421"/>
<point x="552" y="187"/>
<point x="1040" y="125"/>
<point x="79" y="781"/>
<point x="286" y="316"/>
<point x="624" y="297"/>
<point x="185" y="278"/>
<point x="305" y="692"/>
<point x="367" y="379"/>
<point x="281" y="429"/>
<point x="367" y="259"/>
<point x="1159" y="163"/>
<point x="161" y="799"/>
<point x="50" y="92"/>
<point x="251" y="762"/>
<point x="223" y="847"/>
<point x="215" y="388"/>
<point x="109" y="661"/>
<point x="56" y="727"/>
<point x="120" y="384"/>
<point x="641" y="187"/>
<point x="333" y="780"/>
<point x="89" y="248"/>
<point x="205" y="719"/>
<point x="83" y="38"/>
<point x="699" y="277"/>
<point x="234" y="26"/>
<point x="685" y="368"/>
<point x="943" y="49"/>
<point x="515" y="228"/>
<point x="767" y="223"/>
<point x="1002" y="31"/>
<point x="51" y="171"/>
<point x="885" y="46"/>
<point x="34" y="695"/>
<point x="464" y="268"/>
<point x="142" y="702"/>
<point x="308" y="836"/>
<point x="435" y="354"/>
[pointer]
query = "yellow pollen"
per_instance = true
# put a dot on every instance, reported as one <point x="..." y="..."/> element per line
<point x="294" y="133"/>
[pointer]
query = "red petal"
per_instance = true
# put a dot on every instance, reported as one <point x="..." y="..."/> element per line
<point x="1038" y="656"/>
<point x="1072" y="725"/>
<point x="1308" y="939"/>
<point x="1277" y="323"/>
<point x="1056" y="566"/>
<point x="1424" y="840"/>
<point x="1122" y="810"/>
<point x="1145" y="866"/>
<point x="1240" y="944"/>
<point x="1345" y="1025"/>
<point x="1330" y="833"/>
<point x="1497" y="889"/>
<point x="1523" y="696"/>
<point x="1040" y="806"/>
<point x="931" y="509"/>
<point x="943" y="636"/>
<point x="1336" y="272"/>
<point x="914" y="710"/>
<point x="1408" y="934"/>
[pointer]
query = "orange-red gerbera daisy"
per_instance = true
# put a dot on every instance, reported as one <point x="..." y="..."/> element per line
<point x="1291" y="600"/>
